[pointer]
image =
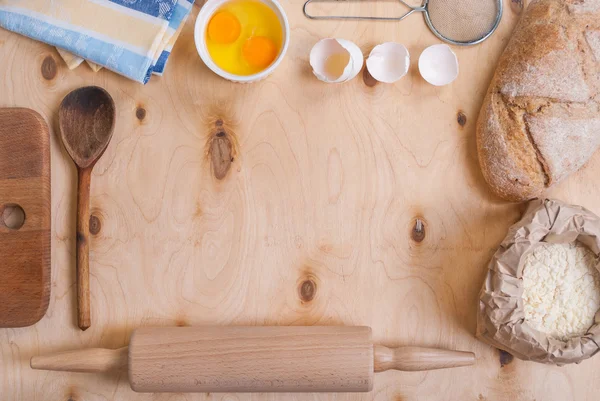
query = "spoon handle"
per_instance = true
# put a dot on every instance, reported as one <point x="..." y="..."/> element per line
<point x="83" y="230"/>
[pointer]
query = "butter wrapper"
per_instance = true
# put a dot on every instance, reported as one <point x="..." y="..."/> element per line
<point x="501" y="320"/>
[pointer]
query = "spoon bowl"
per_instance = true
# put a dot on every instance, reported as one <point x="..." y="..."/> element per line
<point x="86" y="118"/>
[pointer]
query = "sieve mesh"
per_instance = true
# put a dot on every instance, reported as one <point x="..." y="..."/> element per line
<point x="463" y="21"/>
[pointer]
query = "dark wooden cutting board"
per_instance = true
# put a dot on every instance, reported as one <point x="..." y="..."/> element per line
<point x="24" y="199"/>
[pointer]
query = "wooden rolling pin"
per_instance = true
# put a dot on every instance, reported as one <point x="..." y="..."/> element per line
<point x="252" y="359"/>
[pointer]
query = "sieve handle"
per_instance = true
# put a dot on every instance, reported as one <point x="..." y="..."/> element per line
<point x="422" y="8"/>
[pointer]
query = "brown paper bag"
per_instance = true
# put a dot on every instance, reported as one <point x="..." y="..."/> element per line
<point x="500" y="319"/>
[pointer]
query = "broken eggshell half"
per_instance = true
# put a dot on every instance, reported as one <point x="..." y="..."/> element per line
<point x="388" y="62"/>
<point x="438" y="65"/>
<point x="335" y="60"/>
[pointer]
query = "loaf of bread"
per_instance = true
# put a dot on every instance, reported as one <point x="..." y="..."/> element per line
<point x="540" y="120"/>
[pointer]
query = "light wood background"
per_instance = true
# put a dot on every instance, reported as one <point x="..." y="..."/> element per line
<point x="313" y="223"/>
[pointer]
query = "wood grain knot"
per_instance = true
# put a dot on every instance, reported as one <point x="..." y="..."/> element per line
<point x="418" y="231"/>
<point x="461" y="118"/>
<point x="368" y="78"/>
<point x="307" y="290"/>
<point x="221" y="154"/>
<point x="13" y="216"/>
<point x="140" y="113"/>
<point x="517" y="6"/>
<point x="71" y="395"/>
<point x="505" y="358"/>
<point x="49" y="68"/>
<point x="95" y="225"/>
<point x="80" y="238"/>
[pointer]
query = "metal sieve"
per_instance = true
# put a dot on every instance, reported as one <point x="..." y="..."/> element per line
<point x="459" y="22"/>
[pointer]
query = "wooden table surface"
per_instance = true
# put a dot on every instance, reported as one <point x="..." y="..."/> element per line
<point x="315" y="221"/>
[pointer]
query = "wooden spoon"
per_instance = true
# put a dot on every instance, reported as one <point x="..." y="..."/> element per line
<point x="87" y="119"/>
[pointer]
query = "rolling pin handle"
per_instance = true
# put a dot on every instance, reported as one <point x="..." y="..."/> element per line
<point x="412" y="359"/>
<point x="93" y="360"/>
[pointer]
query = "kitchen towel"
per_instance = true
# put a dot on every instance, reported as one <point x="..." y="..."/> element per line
<point x="131" y="37"/>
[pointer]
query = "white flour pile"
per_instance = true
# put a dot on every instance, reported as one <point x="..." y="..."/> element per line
<point x="561" y="289"/>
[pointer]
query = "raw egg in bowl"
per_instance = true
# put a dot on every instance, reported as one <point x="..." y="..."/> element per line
<point x="242" y="40"/>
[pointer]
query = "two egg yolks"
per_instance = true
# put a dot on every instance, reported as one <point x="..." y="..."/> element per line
<point x="258" y="51"/>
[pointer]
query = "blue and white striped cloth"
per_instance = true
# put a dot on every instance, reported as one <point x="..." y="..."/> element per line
<point x="131" y="37"/>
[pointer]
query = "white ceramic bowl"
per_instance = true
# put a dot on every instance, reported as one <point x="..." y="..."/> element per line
<point x="206" y="13"/>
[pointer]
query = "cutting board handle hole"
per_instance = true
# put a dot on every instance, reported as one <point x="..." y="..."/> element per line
<point x="12" y="216"/>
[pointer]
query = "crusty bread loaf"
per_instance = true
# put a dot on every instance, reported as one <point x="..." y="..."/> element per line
<point x="540" y="120"/>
